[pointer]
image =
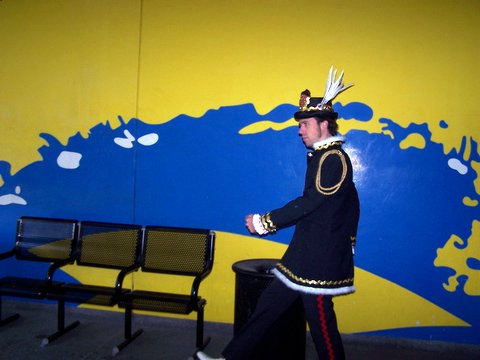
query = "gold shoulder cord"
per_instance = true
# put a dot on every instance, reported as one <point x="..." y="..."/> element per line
<point x="333" y="189"/>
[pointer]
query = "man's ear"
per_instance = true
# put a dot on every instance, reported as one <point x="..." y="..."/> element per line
<point x="324" y="125"/>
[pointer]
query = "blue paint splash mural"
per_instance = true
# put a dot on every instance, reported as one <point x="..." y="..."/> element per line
<point x="419" y="206"/>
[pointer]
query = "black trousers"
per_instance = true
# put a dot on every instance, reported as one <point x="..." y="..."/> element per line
<point x="275" y="301"/>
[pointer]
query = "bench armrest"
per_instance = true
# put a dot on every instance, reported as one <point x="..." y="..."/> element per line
<point x="196" y="283"/>
<point x="121" y="277"/>
<point x="208" y="269"/>
<point x="54" y="267"/>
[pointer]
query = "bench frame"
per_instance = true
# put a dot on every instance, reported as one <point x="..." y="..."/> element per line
<point x="38" y="239"/>
<point x="175" y="242"/>
<point x="82" y="240"/>
<point x="98" y="246"/>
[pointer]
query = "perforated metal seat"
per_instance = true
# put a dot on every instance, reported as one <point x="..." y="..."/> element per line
<point x="161" y="302"/>
<point x="100" y="245"/>
<point x="175" y="251"/>
<point x="38" y="239"/>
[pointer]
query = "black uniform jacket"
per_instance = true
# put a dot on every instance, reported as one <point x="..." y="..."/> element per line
<point x="319" y="259"/>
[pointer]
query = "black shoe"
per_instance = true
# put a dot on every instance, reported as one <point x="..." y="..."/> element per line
<point x="202" y="356"/>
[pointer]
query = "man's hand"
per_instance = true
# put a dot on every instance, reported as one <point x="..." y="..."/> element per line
<point x="249" y="224"/>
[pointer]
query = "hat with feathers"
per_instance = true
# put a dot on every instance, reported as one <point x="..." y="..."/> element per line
<point x="321" y="107"/>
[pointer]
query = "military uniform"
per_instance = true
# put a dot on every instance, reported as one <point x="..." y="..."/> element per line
<point x="319" y="259"/>
<point x="318" y="263"/>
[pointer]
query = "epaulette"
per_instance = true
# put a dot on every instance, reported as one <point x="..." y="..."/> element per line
<point x="332" y="189"/>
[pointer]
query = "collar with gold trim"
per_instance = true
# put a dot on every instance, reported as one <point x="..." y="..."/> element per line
<point x="324" y="144"/>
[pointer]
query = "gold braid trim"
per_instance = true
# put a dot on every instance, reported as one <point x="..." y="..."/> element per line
<point x="333" y="189"/>
<point x="314" y="282"/>
<point x="268" y="223"/>
<point x="326" y="146"/>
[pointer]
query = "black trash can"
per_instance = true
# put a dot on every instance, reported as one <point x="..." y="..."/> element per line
<point x="287" y="339"/>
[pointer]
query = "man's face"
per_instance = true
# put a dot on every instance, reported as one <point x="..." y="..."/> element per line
<point x="310" y="131"/>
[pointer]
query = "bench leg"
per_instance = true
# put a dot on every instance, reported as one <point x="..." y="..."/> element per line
<point x="127" y="341"/>
<point x="9" y="319"/>
<point x="61" y="328"/>
<point x="201" y="342"/>
<point x="129" y="337"/>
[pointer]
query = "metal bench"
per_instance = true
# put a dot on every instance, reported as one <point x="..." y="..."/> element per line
<point x="46" y="240"/>
<point x="122" y="248"/>
<point x="100" y="245"/>
<point x="175" y="251"/>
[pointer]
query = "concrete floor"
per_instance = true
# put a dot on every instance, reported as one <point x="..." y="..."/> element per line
<point x="172" y="339"/>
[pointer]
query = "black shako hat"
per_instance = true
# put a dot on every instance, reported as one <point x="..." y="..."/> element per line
<point x="314" y="109"/>
<point x="321" y="107"/>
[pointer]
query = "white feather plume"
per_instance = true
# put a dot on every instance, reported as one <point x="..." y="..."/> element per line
<point x="334" y="87"/>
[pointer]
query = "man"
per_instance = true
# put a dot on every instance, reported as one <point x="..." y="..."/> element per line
<point x="318" y="263"/>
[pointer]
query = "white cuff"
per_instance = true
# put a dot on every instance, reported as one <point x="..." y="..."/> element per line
<point x="257" y="224"/>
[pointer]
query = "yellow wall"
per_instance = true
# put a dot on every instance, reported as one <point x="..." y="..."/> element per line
<point x="69" y="65"/>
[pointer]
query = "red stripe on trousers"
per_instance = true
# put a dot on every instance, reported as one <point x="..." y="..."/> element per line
<point x="323" y="324"/>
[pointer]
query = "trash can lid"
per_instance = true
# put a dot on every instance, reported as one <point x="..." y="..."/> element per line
<point x="257" y="267"/>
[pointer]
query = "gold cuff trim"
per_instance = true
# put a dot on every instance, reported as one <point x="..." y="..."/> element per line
<point x="268" y="223"/>
<point x="314" y="282"/>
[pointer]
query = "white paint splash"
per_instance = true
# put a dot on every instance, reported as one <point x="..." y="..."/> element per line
<point x="9" y="199"/>
<point x="148" y="140"/>
<point x="69" y="160"/>
<point x="128" y="140"/>
<point x="455" y="164"/>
